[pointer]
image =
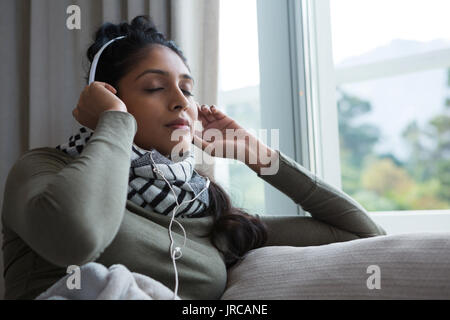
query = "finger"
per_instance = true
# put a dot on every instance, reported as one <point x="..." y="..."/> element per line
<point x="206" y="111"/>
<point x="202" y="119"/>
<point x="110" y="88"/>
<point x="199" y="109"/>
<point x="201" y="113"/>
<point x="218" y="114"/>
<point x="98" y="83"/>
<point x="104" y="84"/>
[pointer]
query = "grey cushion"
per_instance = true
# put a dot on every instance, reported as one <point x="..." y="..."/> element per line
<point x="411" y="266"/>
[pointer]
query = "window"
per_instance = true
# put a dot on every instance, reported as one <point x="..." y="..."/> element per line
<point x="361" y="95"/>
<point x="239" y="96"/>
<point x="377" y="73"/>
<point x="392" y="67"/>
<point x="362" y="100"/>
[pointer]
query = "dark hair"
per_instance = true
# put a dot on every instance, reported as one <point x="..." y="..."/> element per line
<point x="234" y="232"/>
<point x="117" y="58"/>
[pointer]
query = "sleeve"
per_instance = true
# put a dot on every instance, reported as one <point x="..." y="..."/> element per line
<point x="335" y="216"/>
<point x="69" y="210"/>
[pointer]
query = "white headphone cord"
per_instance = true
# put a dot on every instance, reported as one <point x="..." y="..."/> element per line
<point x="177" y="250"/>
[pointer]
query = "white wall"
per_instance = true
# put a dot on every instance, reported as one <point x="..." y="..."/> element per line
<point x="413" y="221"/>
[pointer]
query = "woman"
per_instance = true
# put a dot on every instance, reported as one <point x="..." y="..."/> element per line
<point x="83" y="201"/>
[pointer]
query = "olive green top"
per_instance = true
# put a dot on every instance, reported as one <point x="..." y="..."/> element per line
<point x="60" y="211"/>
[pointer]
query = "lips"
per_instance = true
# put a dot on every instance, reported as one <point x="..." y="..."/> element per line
<point x="179" y="123"/>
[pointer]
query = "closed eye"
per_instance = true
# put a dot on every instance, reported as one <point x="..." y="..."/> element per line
<point x="189" y="94"/>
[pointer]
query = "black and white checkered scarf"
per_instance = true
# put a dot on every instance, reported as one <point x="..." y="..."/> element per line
<point x="148" y="189"/>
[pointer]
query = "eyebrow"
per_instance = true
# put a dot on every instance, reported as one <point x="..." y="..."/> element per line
<point x="165" y="73"/>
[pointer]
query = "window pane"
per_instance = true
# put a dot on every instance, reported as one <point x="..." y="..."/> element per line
<point x="395" y="131"/>
<point x="239" y="96"/>
<point x="395" y="141"/>
<point x="374" y="30"/>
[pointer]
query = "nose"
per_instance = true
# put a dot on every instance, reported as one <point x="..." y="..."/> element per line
<point x="179" y="101"/>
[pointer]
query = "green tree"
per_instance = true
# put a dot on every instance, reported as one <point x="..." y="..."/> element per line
<point x="439" y="133"/>
<point x="357" y="139"/>
<point x="418" y="162"/>
<point x="382" y="181"/>
<point x="429" y="160"/>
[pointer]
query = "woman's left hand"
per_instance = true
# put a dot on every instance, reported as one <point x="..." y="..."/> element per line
<point x="224" y="137"/>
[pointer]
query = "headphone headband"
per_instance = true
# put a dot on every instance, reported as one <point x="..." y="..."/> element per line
<point x="97" y="57"/>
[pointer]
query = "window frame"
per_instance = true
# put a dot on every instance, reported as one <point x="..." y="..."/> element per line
<point x="286" y="39"/>
<point x="282" y="105"/>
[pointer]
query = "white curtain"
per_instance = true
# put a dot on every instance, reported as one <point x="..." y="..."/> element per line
<point x="43" y="64"/>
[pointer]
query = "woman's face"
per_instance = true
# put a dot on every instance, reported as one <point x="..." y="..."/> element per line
<point x="157" y="92"/>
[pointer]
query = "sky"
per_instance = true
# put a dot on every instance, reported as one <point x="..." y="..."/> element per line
<point x="380" y="21"/>
<point x="238" y="57"/>
<point x="376" y="24"/>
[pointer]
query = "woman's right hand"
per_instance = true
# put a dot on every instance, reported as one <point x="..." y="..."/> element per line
<point x="95" y="99"/>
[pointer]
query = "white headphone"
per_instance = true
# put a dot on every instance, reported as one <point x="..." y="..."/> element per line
<point x="175" y="253"/>
<point x="97" y="56"/>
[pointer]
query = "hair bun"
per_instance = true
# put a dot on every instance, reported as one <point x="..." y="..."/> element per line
<point x="142" y="24"/>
